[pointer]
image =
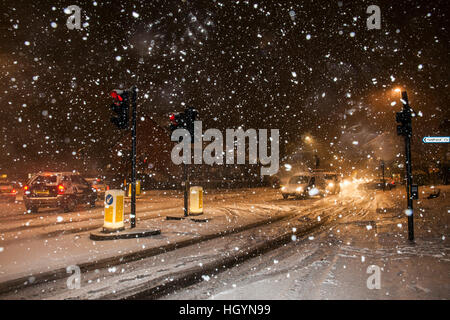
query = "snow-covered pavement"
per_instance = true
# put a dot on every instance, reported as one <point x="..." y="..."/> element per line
<point x="36" y="243"/>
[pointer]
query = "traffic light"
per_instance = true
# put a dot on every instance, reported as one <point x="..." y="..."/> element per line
<point x="121" y="108"/>
<point x="183" y="120"/>
<point x="190" y="114"/>
<point x="176" y="121"/>
<point x="404" y="118"/>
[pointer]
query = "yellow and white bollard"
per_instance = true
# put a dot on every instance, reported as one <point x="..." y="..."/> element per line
<point x="196" y="200"/>
<point x="114" y="211"/>
<point x="138" y="188"/>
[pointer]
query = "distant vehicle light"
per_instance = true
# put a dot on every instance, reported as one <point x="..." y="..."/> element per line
<point x="299" y="189"/>
<point x="331" y="184"/>
<point x="345" y="183"/>
<point x="13" y="191"/>
<point x="313" y="192"/>
<point x="283" y="188"/>
<point x="25" y="188"/>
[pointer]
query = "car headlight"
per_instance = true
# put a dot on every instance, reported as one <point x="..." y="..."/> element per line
<point x="283" y="188"/>
<point x="299" y="189"/>
<point x="331" y="184"/>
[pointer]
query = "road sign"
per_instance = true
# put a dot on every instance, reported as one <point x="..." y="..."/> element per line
<point x="436" y="139"/>
<point x="109" y="199"/>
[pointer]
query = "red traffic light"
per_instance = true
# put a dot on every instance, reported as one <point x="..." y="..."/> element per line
<point x="120" y="107"/>
<point x="116" y="96"/>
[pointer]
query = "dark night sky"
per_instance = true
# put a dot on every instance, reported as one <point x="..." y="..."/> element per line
<point x="240" y="63"/>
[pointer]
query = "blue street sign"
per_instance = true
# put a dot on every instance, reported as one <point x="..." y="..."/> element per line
<point x="436" y="139"/>
<point x="109" y="199"/>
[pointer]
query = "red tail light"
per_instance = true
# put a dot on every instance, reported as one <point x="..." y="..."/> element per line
<point x="13" y="191"/>
<point x="61" y="189"/>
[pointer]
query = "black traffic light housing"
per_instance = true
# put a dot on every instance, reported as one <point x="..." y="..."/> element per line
<point x="121" y="109"/>
<point x="184" y="120"/>
<point x="404" y="118"/>
<point x="190" y="117"/>
<point x="176" y="121"/>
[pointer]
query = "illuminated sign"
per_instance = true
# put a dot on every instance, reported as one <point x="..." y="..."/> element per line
<point x="436" y="139"/>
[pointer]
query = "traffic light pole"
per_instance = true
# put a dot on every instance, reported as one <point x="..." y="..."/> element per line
<point x="406" y="131"/>
<point x="186" y="121"/>
<point x="408" y="188"/>
<point x="133" y="158"/>
<point x="186" y="189"/>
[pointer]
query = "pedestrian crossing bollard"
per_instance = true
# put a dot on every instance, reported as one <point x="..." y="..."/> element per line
<point x="114" y="207"/>
<point x="138" y="188"/>
<point x="196" y="200"/>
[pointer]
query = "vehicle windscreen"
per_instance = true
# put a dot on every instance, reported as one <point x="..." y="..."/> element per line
<point x="299" y="180"/>
<point x="45" y="180"/>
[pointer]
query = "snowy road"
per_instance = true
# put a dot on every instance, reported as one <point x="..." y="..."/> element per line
<point x="317" y="249"/>
<point x="333" y="262"/>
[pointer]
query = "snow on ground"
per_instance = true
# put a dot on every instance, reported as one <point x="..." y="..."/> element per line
<point x="32" y="244"/>
<point x="335" y="264"/>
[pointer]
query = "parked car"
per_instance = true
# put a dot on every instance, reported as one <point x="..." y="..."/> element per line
<point x="58" y="189"/>
<point x="7" y="191"/>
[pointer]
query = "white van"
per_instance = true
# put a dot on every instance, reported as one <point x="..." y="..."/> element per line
<point x="308" y="184"/>
<point x="297" y="185"/>
<point x="326" y="182"/>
